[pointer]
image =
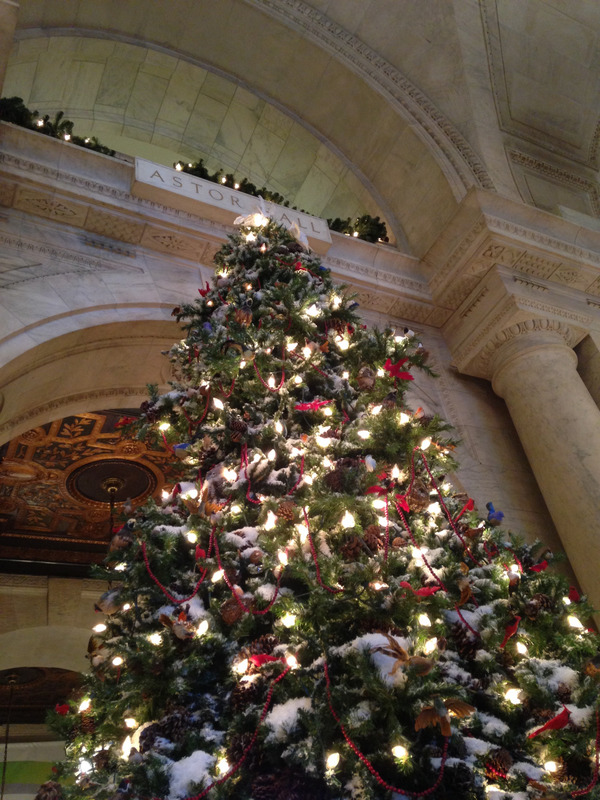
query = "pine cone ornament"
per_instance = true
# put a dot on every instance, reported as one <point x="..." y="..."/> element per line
<point x="286" y="510"/>
<point x="246" y="693"/>
<point x="237" y="749"/>
<point x="231" y="611"/>
<point x="243" y="316"/>
<point x="237" y="425"/>
<point x="101" y="759"/>
<point x="352" y="548"/>
<point x="366" y="378"/>
<point x="51" y="790"/>
<point x="334" y="480"/>
<point x="538" y="603"/>
<point x="418" y="497"/>
<point x="563" y="692"/>
<point x="373" y="538"/>
<point x="288" y="784"/>
<point x="173" y="727"/>
<point x="464" y="641"/>
<point x="399" y="541"/>
<point x="498" y="763"/>
<point x="87" y="724"/>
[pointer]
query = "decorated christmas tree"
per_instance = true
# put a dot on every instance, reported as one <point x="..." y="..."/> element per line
<point x="313" y="612"/>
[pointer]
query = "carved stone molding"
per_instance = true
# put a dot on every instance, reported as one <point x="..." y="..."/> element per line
<point x="456" y="157"/>
<point x="519" y="329"/>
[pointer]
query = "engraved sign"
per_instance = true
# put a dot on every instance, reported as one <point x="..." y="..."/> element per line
<point x="217" y="202"/>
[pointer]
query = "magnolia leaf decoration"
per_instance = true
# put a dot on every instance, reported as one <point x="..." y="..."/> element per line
<point x="439" y="714"/>
<point x="418" y="664"/>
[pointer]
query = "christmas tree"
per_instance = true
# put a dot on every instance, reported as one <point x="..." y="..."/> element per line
<point x="312" y="612"/>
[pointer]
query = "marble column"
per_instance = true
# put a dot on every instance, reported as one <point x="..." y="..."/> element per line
<point x="8" y="22"/>
<point x="558" y="423"/>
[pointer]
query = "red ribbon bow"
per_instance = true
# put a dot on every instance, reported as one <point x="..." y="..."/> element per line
<point x="314" y="406"/>
<point x="394" y="369"/>
<point x="204" y="292"/>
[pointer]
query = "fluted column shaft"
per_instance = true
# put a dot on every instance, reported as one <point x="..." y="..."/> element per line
<point x="8" y="23"/>
<point x="558" y="424"/>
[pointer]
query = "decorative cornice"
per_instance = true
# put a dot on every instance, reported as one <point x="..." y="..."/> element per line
<point x="455" y="155"/>
<point x="538" y="287"/>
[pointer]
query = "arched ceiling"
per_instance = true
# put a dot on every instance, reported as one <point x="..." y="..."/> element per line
<point x="386" y="106"/>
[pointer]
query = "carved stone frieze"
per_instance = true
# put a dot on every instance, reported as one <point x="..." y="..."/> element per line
<point x="7" y="193"/>
<point x="569" y="336"/>
<point x="537" y="287"/>
<point x="47" y="205"/>
<point x="113" y="226"/>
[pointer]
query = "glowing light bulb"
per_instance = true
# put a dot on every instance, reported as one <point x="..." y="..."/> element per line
<point x="278" y="427"/>
<point x="376" y="410"/>
<point x="425" y="444"/>
<point x="130" y="723"/>
<point x="308" y="479"/>
<point x="85" y="705"/>
<point x="404" y="418"/>
<point x="297" y="379"/>
<point x="291" y="346"/>
<point x="347" y="520"/>
<point x="434" y="508"/>
<point x="313" y="311"/>
<point x="395" y="472"/>
<point x="326" y="462"/>
<point x="291" y="661"/>
<point x="380" y="373"/>
<point x="306" y="351"/>
<point x="322" y="441"/>
<point x="399" y="751"/>
<point x="271" y="455"/>
<point x="270" y="521"/>
<point x="382" y="521"/>
<point x="117" y="661"/>
<point x="230" y="475"/>
<point x="99" y="628"/>
<point x="40" y="123"/>
<point x="294" y="452"/>
<point x="574" y="622"/>
<point x="282" y="556"/>
<point x="271" y="382"/>
<point x="302" y="531"/>
<point x="164" y="426"/>
<point x="335" y="301"/>
<point x="345" y="375"/>
<point x="289" y="620"/>
<point x="429" y="646"/>
<point x="236" y="509"/>
<point x="399" y="339"/>
<point x="521" y="649"/>
<point x="424" y="620"/>
<point x="218" y="403"/>
<point x="241" y="666"/>
<point x="251" y="237"/>
<point x="333" y="759"/>
<point x="223" y="179"/>
<point x="236" y="186"/>
<point x="191" y="536"/>
<point x="242" y="364"/>
<point x="417" y="554"/>
<point x="378" y="586"/>
<point x="126" y="606"/>
<point x="202" y="628"/>
<point x="551" y="766"/>
<point x="84" y="767"/>
<point x="514" y="568"/>
<point x="512" y="695"/>
<point x="217" y="576"/>
<point x="67" y="137"/>
<point x="364" y="434"/>
<point x="567" y="601"/>
<point x="344" y="344"/>
<point x="222" y="765"/>
<point x="327" y="411"/>
<point x="248" y="287"/>
<point x="263" y="248"/>
<point x="378" y="503"/>
<point x="155" y="639"/>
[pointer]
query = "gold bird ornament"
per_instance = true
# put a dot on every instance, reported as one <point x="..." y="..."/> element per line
<point x="439" y="714"/>
<point x="417" y="664"/>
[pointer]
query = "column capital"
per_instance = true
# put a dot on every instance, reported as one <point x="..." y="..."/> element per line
<point x="501" y="268"/>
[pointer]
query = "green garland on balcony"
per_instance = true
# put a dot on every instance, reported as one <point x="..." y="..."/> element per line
<point x="13" y="109"/>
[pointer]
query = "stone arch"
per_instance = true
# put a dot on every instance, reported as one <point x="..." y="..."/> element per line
<point x="45" y="646"/>
<point x="104" y="366"/>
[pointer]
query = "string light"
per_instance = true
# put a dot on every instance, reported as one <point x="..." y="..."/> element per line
<point x="308" y="479"/>
<point x="404" y="418"/>
<point x="333" y="759"/>
<point x="271" y="455"/>
<point x="345" y="375"/>
<point x="278" y="427"/>
<point x="84" y="767"/>
<point x="378" y="503"/>
<point x="326" y="462"/>
<point x="164" y="426"/>
<point x="218" y="403"/>
<point x="380" y="373"/>
<point x="297" y="379"/>
<point x="343" y="343"/>
<point x="292" y="661"/>
<point x="425" y="444"/>
<point x="130" y="723"/>
<point x="574" y="623"/>
<point x="424" y="620"/>
<point x="217" y="576"/>
<point x="399" y="751"/>
<point x="289" y="620"/>
<point x="155" y="639"/>
<point x="551" y="766"/>
<point x="85" y="705"/>
<point x="378" y="586"/>
<point x="192" y="537"/>
<point x="514" y="568"/>
<point x="117" y="661"/>
<point x="270" y="521"/>
<point x="335" y="302"/>
<point x="126" y="748"/>
<point x="306" y="351"/>
<point x="202" y="628"/>
<point x="512" y="695"/>
<point x="223" y="765"/>
<point x="429" y="646"/>
<point x="567" y="601"/>
<point x="99" y="628"/>
<point x="302" y="531"/>
<point x="282" y="557"/>
<point x="271" y="382"/>
<point x="322" y="441"/>
<point x="291" y="346"/>
<point x="347" y="520"/>
<point x="251" y="237"/>
<point x="126" y="606"/>
<point x="230" y="475"/>
<point x="364" y="434"/>
<point x="242" y="364"/>
<point x="376" y="410"/>
<point x="521" y="649"/>
<point x="236" y="509"/>
<point x="312" y="311"/>
<point x="327" y="411"/>
<point x="395" y="472"/>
